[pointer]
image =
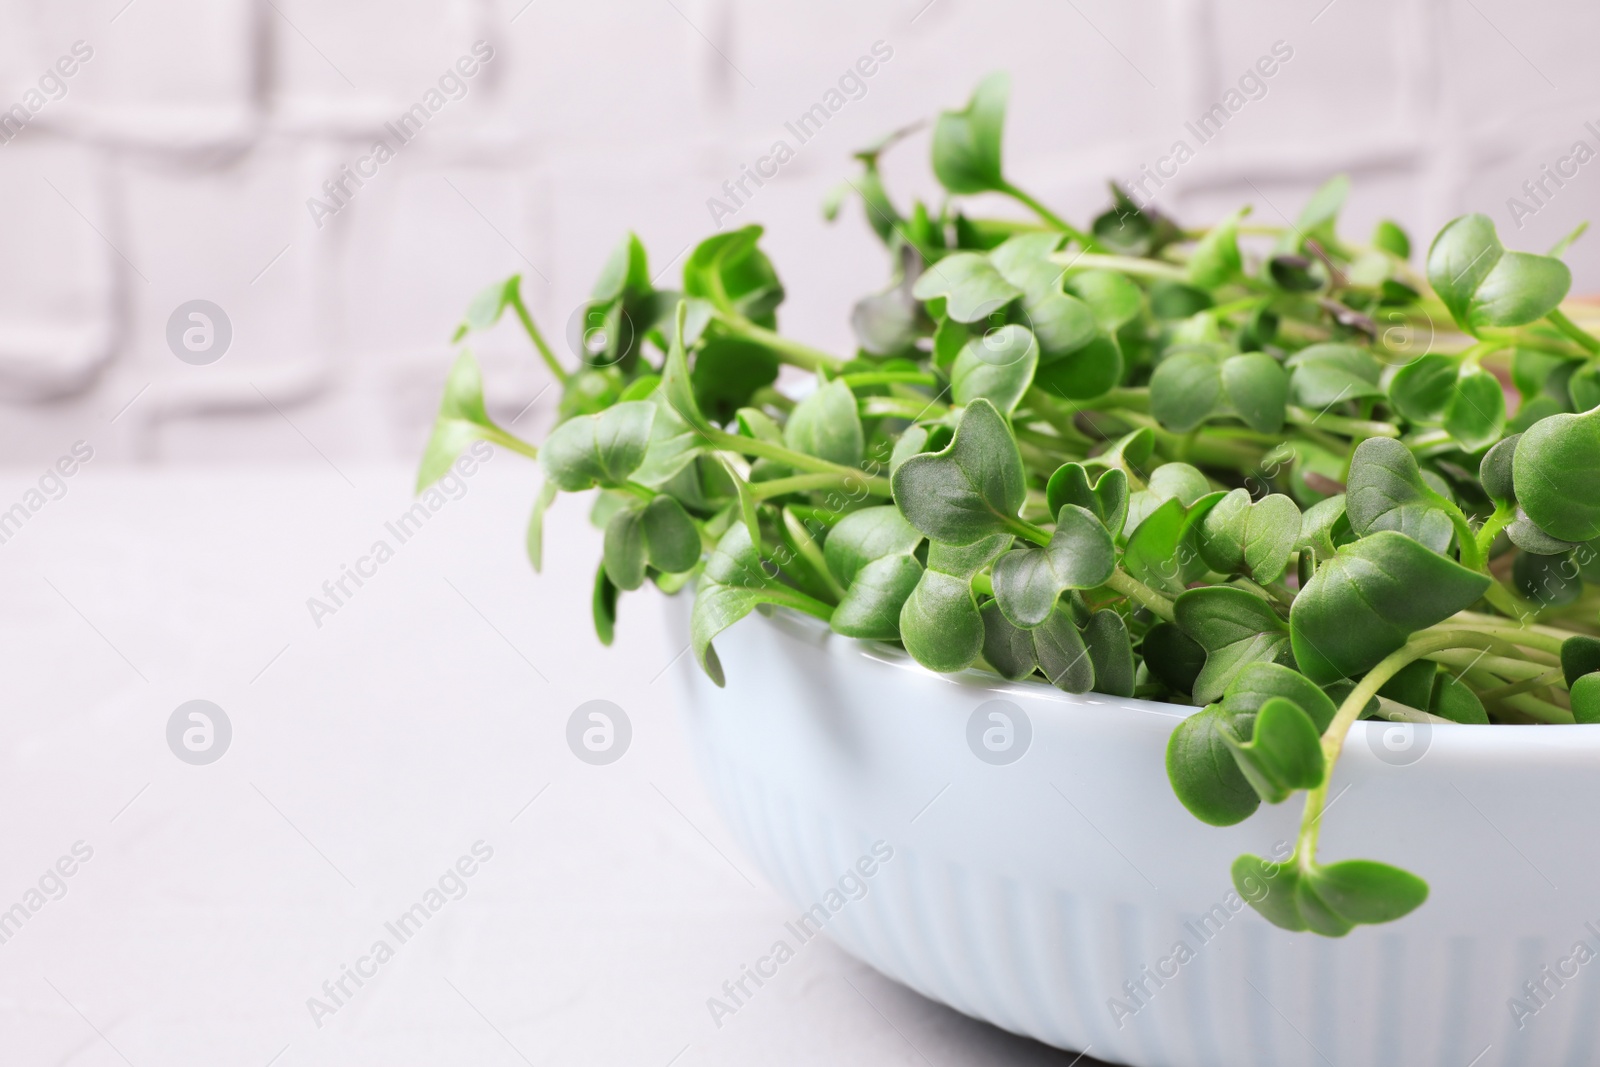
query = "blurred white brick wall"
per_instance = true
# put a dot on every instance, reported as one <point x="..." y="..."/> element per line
<point x="178" y="164"/>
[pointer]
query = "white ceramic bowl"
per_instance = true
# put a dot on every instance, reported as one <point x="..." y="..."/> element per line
<point x="1028" y="894"/>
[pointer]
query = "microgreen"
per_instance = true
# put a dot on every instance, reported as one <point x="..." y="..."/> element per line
<point x="1137" y="458"/>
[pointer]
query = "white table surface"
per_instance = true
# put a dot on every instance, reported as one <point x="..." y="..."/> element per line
<point x="367" y="756"/>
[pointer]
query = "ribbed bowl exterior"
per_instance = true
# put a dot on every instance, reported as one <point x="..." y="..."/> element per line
<point x="1068" y="896"/>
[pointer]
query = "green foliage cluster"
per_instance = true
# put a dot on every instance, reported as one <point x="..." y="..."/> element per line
<point x="1206" y="466"/>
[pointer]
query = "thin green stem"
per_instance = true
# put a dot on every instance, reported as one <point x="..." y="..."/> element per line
<point x="1586" y="340"/>
<point x="811" y="552"/>
<point x="495" y="435"/>
<point x="1355" y="428"/>
<point x="789" y="597"/>
<point x="1026" y="530"/>
<point x="899" y="407"/>
<point x="790" y="351"/>
<point x="802" y="483"/>
<point x="888" y="377"/>
<point x="1049" y="216"/>
<point x="1527" y="637"/>
<point x="1542" y="710"/>
<point x="1394" y="711"/>
<point x="1502" y="666"/>
<point x="1333" y="737"/>
<point x="753" y="446"/>
<point x="1503" y="514"/>
<point x="1133" y="589"/>
<point x="1526" y="685"/>
<point x="539" y="342"/>
<point x="1148" y="268"/>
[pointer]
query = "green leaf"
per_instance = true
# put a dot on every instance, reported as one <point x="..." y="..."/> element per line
<point x="1236" y="628"/>
<point x="677" y="385"/>
<point x="1063" y="324"/>
<point x="603" y="606"/>
<point x="1370" y="598"/>
<point x="1257" y="389"/>
<point x="1152" y="553"/>
<point x="673" y="444"/>
<point x="970" y="285"/>
<point x="1130" y="453"/>
<point x="871" y="606"/>
<point x="758" y="425"/>
<point x="1180" y="480"/>
<point x="1240" y="537"/>
<point x="1580" y="655"/>
<point x="1461" y="257"/>
<point x="1324" y="527"/>
<point x="727" y="372"/>
<point x="1586" y="699"/>
<point x="1526" y="535"/>
<point x="1283" y="754"/>
<point x="1317" y="218"/>
<point x="911" y="443"/>
<point x="535" y="536"/>
<point x="1111" y="652"/>
<point x="716" y="607"/>
<point x="1326" y="374"/>
<point x="1385" y="491"/>
<point x="1483" y="285"/>
<point x="1086" y="372"/>
<point x="488" y="305"/>
<point x="1172" y="301"/>
<point x="1106" y="499"/>
<point x="827" y="425"/>
<point x="1556" y="470"/>
<point x="626" y="270"/>
<point x="1270" y="888"/>
<point x="1202" y="770"/>
<point x="748" y="504"/>
<point x="998" y="367"/>
<point x="1186" y="389"/>
<point x="1522" y="288"/>
<point x="1476" y="412"/>
<point x="1006" y="648"/>
<point x="866" y="535"/>
<point x="964" y="561"/>
<point x="1024" y="261"/>
<point x="671" y="539"/>
<point x="1297" y="274"/>
<point x="1114" y="299"/>
<point x="1421" y="390"/>
<point x="1388" y="236"/>
<point x="601" y="449"/>
<point x="972" y="489"/>
<point x="1549" y="581"/>
<point x="462" y="420"/>
<point x="966" y="143"/>
<point x="1362" y="891"/>
<point x="733" y="275"/>
<point x="1215" y="260"/>
<point x="1029" y="581"/>
<point x="1174" y="657"/>
<point x="1258" y="682"/>
<point x="1454" y="699"/>
<point x="940" y="625"/>
<point x="948" y="339"/>
<point x="1061" y="653"/>
<point x="624" y="552"/>
<point x="729" y="589"/>
<point x="1413" y="685"/>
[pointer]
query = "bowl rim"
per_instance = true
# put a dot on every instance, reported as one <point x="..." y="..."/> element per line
<point x="1465" y="738"/>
